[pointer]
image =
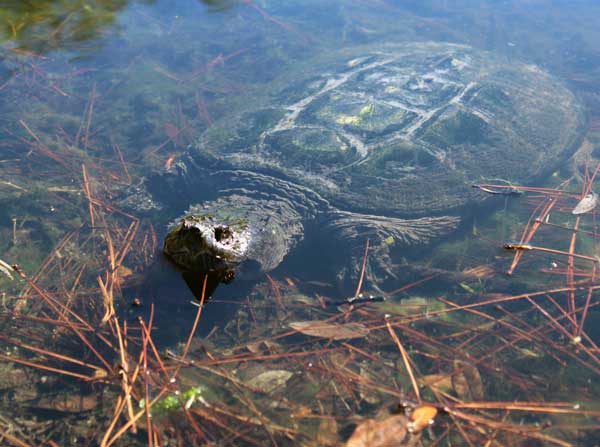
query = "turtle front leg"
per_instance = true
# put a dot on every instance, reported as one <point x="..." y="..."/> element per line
<point x="383" y="234"/>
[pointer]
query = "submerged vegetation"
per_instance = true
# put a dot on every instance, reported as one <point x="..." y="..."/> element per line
<point x="47" y="25"/>
<point x="489" y="339"/>
<point x="479" y="367"/>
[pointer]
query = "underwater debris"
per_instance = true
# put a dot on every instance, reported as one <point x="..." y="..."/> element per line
<point x="587" y="204"/>
<point x="270" y="381"/>
<point x="333" y="331"/>
<point x="505" y="191"/>
<point x="421" y="418"/>
<point x="467" y="381"/>
<point x="397" y="430"/>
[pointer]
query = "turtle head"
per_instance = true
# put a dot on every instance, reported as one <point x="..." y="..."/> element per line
<point x="204" y="244"/>
<point x="207" y="249"/>
<point x="235" y="236"/>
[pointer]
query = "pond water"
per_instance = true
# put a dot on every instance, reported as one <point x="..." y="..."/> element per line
<point x="406" y="172"/>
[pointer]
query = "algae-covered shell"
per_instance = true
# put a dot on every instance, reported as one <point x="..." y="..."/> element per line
<point x="403" y="130"/>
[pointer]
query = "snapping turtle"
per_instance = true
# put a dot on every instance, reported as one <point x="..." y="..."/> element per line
<point x="374" y="142"/>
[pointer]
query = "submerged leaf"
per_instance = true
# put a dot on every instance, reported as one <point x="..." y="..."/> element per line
<point x="366" y="389"/>
<point x="332" y="331"/>
<point x="437" y="382"/>
<point x="422" y="417"/>
<point x="270" y="381"/>
<point x="467" y="382"/>
<point x="68" y="403"/>
<point x="392" y="431"/>
<point x="328" y="432"/>
<point x="588" y="203"/>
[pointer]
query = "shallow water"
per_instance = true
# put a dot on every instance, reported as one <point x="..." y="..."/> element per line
<point x="97" y="95"/>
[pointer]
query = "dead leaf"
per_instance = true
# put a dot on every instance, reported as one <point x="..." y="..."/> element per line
<point x="467" y="382"/>
<point x="422" y="417"/>
<point x="331" y="331"/>
<point x="389" y="432"/>
<point x="328" y="432"/>
<point x="124" y="272"/>
<point x="438" y="382"/>
<point x="68" y="403"/>
<point x="270" y="381"/>
<point x="255" y="347"/>
<point x="367" y="392"/>
<point x="587" y="204"/>
<point x="302" y="411"/>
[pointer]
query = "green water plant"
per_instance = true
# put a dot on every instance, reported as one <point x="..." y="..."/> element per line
<point x="175" y="402"/>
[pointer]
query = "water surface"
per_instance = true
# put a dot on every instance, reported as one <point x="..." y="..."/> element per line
<point x="96" y="95"/>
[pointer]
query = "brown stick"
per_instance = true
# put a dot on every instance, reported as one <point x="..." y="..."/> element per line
<point x="406" y="360"/>
<point x="125" y="427"/>
<point x="194" y="326"/>
<point x="117" y="149"/>
<point x="536" y="407"/>
<point x="276" y="292"/>
<point x="125" y="374"/>
<point x="146" y="394"/>
<point x="362" y="270"/>
<point x="570" y="268"/>
<point x="55" y="307"/>
<point x="50" y="353"/>
<point x="9" y="358"/>
<point x="88" y="194"/>
<point x="13" y="440"/>
<point x="89" y="117"/>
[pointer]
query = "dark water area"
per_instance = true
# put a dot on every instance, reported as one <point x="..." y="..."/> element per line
<point x="406" y="172"/>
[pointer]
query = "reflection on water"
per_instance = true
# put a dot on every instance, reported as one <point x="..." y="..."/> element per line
<point x="44" y="26"/>
<point x="95" y="326"/>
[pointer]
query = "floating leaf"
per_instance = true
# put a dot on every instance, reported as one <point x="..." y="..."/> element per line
<point x="332" y="331"/>
<point x="392" y="431"/>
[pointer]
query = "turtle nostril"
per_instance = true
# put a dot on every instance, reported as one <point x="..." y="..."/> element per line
<point x="222" y="233"/>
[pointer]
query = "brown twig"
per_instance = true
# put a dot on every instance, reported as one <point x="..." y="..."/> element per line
<point x="406" y="360"/>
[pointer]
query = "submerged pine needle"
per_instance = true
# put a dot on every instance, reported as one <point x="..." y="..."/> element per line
<point x="6" y="269"/>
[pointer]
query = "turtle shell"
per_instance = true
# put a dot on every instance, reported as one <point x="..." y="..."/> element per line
<point x="402" y="130"/>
